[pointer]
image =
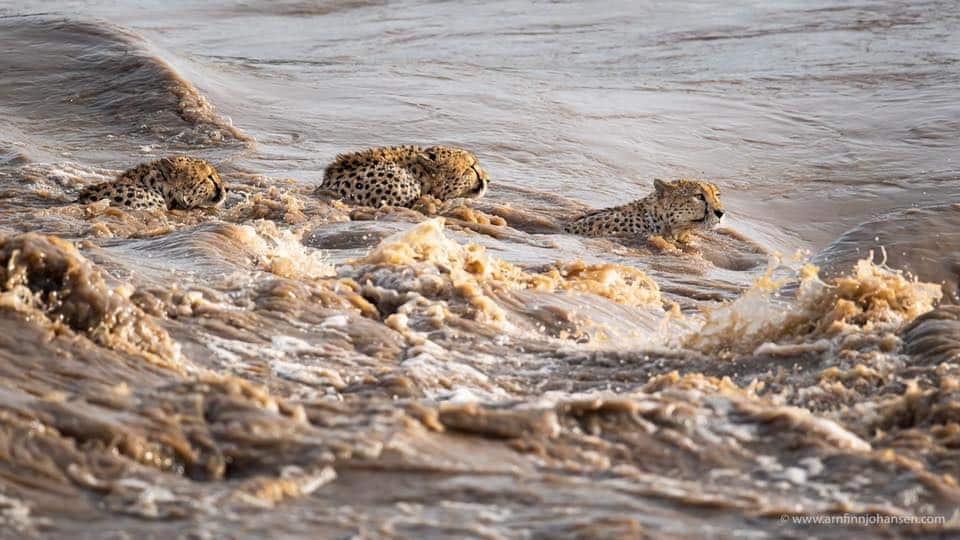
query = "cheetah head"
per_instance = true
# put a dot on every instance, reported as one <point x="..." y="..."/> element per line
<point x="455" y="173"/>
<point x="688" y="205"/>
<point x="193" y="183"/>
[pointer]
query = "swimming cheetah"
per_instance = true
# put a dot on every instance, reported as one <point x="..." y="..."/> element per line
<point x="166" y="183"/>
<point x="671" y="211"/>
<point x="399" y="175"/>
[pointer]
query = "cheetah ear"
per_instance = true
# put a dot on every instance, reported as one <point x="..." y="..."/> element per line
<point x="429" y="153"/>
<point x="659" y="185"/>
<point x="427" y="160"/>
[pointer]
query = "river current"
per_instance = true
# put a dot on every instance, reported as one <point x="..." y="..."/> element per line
<point x="290" y="366"/>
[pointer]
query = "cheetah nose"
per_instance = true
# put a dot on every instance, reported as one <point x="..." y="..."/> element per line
<point x="718" y="213"/>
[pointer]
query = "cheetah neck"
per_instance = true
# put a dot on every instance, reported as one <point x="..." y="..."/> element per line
<point x="651" y="221"/>
<point x="411" y="158"/>
<point x="156" y="177"/>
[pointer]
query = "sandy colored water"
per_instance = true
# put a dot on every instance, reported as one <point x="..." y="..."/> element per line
<point x="294" y="367"/>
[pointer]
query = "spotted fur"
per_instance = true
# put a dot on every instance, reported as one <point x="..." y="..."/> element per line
<point x="673" y="209"/>
<point x="400" y="175"/>
<point x="163" y="184"/>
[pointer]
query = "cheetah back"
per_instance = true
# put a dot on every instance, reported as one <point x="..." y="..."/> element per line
<point x="374" y="184"/>
<point x="124" y="193"/>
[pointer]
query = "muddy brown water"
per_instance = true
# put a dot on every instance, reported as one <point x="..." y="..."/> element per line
<point x="292" y="367"/>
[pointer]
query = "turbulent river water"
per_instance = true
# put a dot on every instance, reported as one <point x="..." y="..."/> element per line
<point x="289" y="366"/>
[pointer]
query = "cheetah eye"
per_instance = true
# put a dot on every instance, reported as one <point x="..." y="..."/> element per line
<point x="210" y="177"/>
<point x="702" y="197"/>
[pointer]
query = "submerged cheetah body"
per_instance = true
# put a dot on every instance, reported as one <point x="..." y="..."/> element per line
<point x="163" y="184"/>
<point x="674" y="209"/>
<point x="400" y="175"/>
